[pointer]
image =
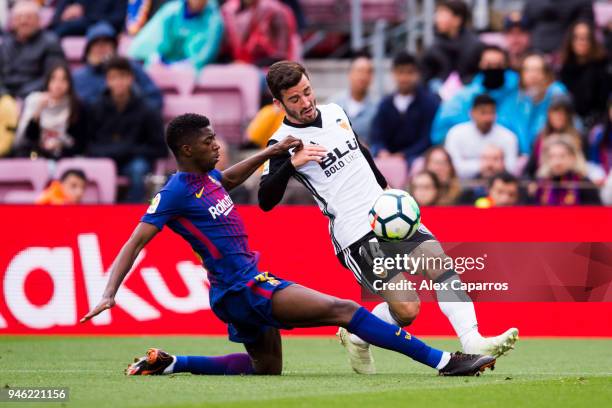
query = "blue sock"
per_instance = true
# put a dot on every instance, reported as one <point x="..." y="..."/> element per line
<point x="379" y="333"/>
<point x="231" y="364"/>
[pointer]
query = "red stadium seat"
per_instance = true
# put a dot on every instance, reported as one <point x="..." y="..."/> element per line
<point x="235" y="90"/>
<point x="394" y="169"/>
<point x="603" y="13"/>
<point x="22" y="179"/>
<point x="172" y="81"/>
<point x="101" y="175"/>
<point x="335" y="12"/>
<point x="74" y="47"/>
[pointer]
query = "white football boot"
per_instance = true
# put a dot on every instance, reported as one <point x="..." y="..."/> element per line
<point x="493" y="346"/>
<point x="360" y="356"/>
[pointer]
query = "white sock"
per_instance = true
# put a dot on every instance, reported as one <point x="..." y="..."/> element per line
<point x="444" y="361"/>
<point x="170" y="368"/>
<point x="458" y="309"/>
<point x="382" y="312"/>
<point x="462" y="317"/>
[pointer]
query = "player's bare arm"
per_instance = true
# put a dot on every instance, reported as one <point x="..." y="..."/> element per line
<point x="143" y="233"/>
<point x="238" y="173"/>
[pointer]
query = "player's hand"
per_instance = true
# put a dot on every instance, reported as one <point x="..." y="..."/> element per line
<point x="307" y="154"/>
<point x="105" y="303"/>
<point x="284" y="145"/>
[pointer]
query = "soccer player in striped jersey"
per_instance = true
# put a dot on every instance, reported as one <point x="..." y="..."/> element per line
<point x="195" y="204"/>
<point x="345" y="184"/>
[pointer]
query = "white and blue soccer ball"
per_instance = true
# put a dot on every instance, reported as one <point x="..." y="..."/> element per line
<point x="395" y="215"/>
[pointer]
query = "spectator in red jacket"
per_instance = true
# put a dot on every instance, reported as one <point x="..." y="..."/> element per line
<point x="258" y="31"/>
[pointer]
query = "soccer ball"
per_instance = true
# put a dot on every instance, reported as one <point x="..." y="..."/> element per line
<point x="395" y="215"/>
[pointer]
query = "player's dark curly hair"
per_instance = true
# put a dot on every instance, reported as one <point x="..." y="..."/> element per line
<point x="284" y="75"/>
<point x="183" y="129"/>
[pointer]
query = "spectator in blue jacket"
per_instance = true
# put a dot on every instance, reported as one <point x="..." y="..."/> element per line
<point x="182" y="31"/>
<point x="494" y="79"/>
<point x="90" y="81"/>
<point x="538" y="89"/>
<point x="402" y="123"/>
<point x="74" y="17"/>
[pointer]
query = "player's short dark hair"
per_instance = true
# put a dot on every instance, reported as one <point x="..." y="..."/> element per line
<point x="459" y="8"/>
<point x="283" y="75"/>
<point x="504" y="177"/>
<point x="74" y="172"/>
<point x="483" y="100"/>
<point x="118" y="63"/>
<point x="183" y="129"/>
<point x="404" y="58"/>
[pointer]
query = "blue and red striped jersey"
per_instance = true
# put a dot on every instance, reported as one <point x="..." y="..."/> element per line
<point x="199" y="209"/>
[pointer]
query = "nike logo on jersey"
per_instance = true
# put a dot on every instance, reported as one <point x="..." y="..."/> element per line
<point x="223" y="207"/>
<point x="199" y="195"/>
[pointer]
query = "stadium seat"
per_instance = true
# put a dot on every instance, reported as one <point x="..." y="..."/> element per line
<point x="172" y="81"/>
<point x="334" y="12"/>
<point x="101" y="175"/>
<point x="74" y="47"/>
<point x="175" y="105"/>
<point x="235" y="90"/>
<point x="497" y="39"/>
<point x="394" y="169"/>
<point x="603" y="13"/>
<point x="21" y="176"/>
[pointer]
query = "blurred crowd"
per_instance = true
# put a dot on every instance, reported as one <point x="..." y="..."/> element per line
<point x="521" y="117"/>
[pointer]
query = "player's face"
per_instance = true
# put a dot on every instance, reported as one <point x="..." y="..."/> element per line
<point x="205" y="150"/>
<point x="299" y="102"/>
<point x="504" y="194"/>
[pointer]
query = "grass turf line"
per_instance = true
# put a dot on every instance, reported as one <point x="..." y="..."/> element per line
<point x="540" y="372"/>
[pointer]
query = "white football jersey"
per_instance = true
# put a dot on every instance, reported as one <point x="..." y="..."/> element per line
<point x="344" y="183"/>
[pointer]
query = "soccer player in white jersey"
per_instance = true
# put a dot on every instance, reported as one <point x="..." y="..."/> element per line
<point x="342" y="177"/>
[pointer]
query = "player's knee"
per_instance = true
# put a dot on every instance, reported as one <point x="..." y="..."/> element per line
<point x="269" y="366"/>
<point x="344" y="310"/>
<point x="405" y="312"/>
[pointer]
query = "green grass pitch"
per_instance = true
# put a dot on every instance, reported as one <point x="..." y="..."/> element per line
<point x="539" y="373"/>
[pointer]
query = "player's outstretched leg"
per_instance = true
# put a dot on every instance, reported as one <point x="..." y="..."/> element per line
<point x="299" y="306"/>
<point x="458" y="308"/>
<point x="264" y="356"/>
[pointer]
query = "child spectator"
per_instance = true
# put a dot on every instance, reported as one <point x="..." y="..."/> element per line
<point x="562" y="176"/>
<point x="69" y="189"/>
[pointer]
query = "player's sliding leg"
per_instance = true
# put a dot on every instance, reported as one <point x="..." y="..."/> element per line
<point x="158" y="362"/>
<point x="298" y="306"/>
<point x="264" y="356"/>
<point x="458" y="308"/>
<point x="401" y="314"/>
